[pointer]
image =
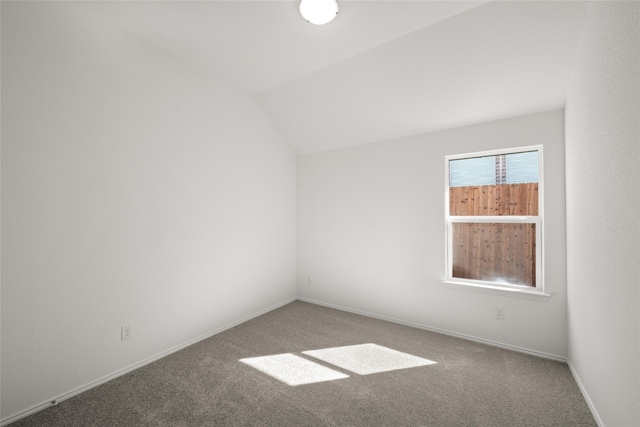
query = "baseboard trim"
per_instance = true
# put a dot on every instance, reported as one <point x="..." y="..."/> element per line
<point x="55" y="400"/>
<point x="438" y="330"/>
<point x="587" y="399"/>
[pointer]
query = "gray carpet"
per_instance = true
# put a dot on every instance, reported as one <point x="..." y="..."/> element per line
<point x="205" y="385"/>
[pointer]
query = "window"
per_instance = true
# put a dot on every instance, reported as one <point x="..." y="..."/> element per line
<point x="494" y="219"/>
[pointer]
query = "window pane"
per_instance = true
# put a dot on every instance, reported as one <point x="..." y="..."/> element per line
<point x="495" y="252"/>
<point x="514" y="168"/>
<point x="522" y="167"/>
<point x="473" y="171"/>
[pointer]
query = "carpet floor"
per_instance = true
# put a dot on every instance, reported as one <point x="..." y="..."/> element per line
<point x="470" y="384"/>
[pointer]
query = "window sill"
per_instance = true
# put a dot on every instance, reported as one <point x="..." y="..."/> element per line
<point x="497" y="290"/>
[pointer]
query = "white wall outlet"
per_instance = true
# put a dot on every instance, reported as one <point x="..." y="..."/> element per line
<point x="500" y="313"/>
<point x="308" y="280"/>
<point x="126" y="332"/>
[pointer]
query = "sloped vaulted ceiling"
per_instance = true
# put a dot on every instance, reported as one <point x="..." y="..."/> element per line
<point x="381" y="70"/>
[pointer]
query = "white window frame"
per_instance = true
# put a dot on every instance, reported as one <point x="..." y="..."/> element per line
<point x="537" y="292"/>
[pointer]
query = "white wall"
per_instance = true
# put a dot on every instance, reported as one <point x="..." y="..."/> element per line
<point x="371" y="234"/>
<point x="134" y="191"/>
<point x="603" y="204"/>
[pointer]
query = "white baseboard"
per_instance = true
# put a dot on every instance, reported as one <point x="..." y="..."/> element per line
<point x="438" y="330"/>
<point x="592" y="407"/>
<point x="57" y="399"/>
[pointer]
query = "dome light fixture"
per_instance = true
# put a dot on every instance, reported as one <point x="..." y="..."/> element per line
<point x="319" y="12"/>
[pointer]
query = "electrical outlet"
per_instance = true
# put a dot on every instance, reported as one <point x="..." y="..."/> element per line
<point x="500" y="313"/>
<point x="308" y="280"/>
<point x="126" y="332"/>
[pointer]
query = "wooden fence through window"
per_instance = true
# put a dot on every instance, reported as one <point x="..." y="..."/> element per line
<point x="495" y="251"/>
<point x="494" y="200"/>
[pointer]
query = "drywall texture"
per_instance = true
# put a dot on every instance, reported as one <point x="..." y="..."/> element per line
<point x="603" y="201"/>
<point x="134" y="191"/>
<point x="371" y="233"/>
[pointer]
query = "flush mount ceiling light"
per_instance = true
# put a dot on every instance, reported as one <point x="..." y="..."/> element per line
<point x="319" y="12"/>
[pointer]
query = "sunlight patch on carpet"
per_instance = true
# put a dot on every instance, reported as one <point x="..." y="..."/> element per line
<point x="293" y="370"/>
<point x="367" y="359"/>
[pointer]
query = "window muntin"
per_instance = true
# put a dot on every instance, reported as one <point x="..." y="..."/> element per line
<point x="494" y="218"/>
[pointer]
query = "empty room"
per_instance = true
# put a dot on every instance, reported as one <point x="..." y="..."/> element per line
<point x="308" y="213"/>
